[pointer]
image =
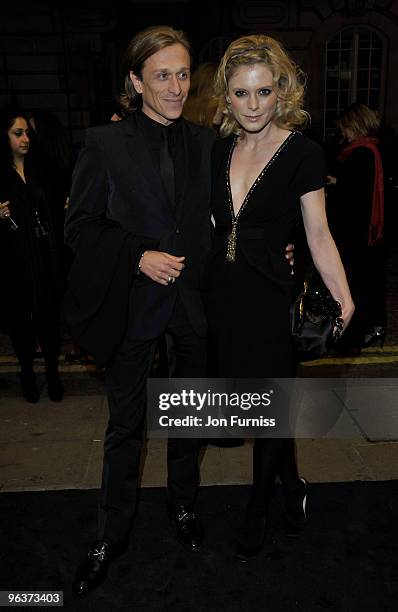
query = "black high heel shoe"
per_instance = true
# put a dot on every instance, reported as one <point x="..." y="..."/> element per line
<point x="296" y="509"/>
<point x="376" y="337"/>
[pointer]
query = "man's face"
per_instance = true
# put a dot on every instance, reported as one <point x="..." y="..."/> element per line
<point x="164" y="84"/>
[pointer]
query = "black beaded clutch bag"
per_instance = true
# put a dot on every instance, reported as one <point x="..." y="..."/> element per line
<point x="316" y="322"/>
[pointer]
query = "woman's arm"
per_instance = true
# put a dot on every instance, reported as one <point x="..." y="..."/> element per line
<point x="324" y="252"/>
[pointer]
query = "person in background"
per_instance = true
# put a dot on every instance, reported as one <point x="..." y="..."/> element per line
<point x="52" y="151"/>
<point x="32" y="279"/>
<point x="356" y="211"/>
<point x="119" y="112"/>
<point x="51" y="147"/>
<point x="267" y="176"/>
<point x="202" y="106"/>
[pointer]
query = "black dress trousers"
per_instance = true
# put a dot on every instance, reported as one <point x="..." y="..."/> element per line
<point x="126" y="384"/>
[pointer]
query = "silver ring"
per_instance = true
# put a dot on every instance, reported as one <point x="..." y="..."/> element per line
<point x="169" y="280"/>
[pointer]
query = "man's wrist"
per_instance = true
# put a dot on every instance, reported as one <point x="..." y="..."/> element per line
<point x="140" y="262"/>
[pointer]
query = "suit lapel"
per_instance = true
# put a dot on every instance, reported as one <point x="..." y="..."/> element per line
<point x="192" y="153"/>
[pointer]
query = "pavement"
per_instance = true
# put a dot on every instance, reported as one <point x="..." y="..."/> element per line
<point x="49" y="446"/>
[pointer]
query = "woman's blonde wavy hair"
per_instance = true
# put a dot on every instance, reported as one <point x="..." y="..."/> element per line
<point x="288" y="80"/>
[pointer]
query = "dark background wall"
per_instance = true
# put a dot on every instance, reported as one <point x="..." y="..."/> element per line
<point x="66" y="57"/>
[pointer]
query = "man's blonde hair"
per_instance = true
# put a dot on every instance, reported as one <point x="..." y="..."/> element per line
<point x="141" y="47"/>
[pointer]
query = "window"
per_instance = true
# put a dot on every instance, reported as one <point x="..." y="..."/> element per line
<point x="353" y="72"/>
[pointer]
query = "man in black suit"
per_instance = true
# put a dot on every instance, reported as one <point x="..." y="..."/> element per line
<point x="151" y="174"/>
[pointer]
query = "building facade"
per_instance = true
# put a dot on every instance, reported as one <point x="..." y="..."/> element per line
<point x="67" y="59"/>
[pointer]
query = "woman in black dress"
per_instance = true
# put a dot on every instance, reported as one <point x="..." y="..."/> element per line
<point x="32" y="279"/>
<point x="356" y="211"/>
<point x="267" y="175"/>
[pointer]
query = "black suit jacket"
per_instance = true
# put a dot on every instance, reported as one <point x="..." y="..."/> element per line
<point x="115" y="177"/>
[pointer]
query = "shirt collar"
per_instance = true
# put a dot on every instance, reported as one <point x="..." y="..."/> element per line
<point x="153" y="128"/>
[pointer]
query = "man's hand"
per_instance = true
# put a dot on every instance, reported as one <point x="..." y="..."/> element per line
<point x="4" y="209"/>
<point x="161" y="267"/>
<point x="290" y="255"/>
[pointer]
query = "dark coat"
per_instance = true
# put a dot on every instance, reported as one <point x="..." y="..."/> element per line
<point x="116" y="177"/>
<point x="349" y="206"/>
<point x="32" y="279"/>
<point x="96" y="310"/>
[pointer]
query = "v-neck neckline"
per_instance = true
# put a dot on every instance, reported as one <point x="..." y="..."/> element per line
<point x="256" y="181"/>
<point x="23" y="180"/>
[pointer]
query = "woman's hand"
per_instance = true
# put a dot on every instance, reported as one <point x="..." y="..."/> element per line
<point x="289" y="254"/>
<point x="325" y="254"/>
<point x="346" y="313"/>
<point x="4" y="210"/>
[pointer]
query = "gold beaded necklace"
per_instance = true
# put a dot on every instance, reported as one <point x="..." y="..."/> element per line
<point x="231" y="246"/>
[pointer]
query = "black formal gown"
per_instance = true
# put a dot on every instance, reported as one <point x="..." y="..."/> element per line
<point x="248" y="300"/>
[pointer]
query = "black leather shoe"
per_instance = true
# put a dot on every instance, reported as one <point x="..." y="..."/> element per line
<point x="55" y="387"/>
<point x="94" y="568"/>
<point x="296" y="509"/>
<point x="376" y="336"/>
<point x="252" y="536"/>
<point x="188" y="526"/>
<point x="29" y="387"/>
